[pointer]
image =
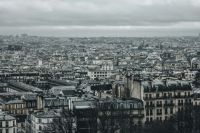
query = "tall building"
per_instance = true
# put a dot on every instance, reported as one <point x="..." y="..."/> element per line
<point x="162" y="98"/>
<point x="165" y="98"/>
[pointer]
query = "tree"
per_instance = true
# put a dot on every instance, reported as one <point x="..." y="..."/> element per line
<point x="65" y="123"/>
<point x="160" y="127"/>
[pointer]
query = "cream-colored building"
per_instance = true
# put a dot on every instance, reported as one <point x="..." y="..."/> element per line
<point x="162" y="98"/>
<point x="165" y="98"/>
<point x="7" y="123"/>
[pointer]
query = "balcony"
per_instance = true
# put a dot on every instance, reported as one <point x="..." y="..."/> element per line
<point x="183" y="96"/>
<point x="158" y="105"/>
<point x="188" y="104"/>
<point x="150" y="106"/>
<point x="169" y="104"/>
<point x="149" y="98"/>
<point x="159" y="113"/>
<point x="138" y="115"/>
<point x="180" y="104"/>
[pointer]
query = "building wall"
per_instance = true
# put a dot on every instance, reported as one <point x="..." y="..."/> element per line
<point x="99" y="74"/>
<point x="39" y="124"/>
<point x="10" y="128"/>
<point x="136" y="90"/>
<point x="162" y="105"/>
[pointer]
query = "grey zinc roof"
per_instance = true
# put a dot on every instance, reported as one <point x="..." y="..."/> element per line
<point x="46" y="114"/>
<point x="4" y="117"/>
<point x="30" y="97"/>
<point x="68" y="92"/>
<point x="15" y="101"/>
<point x="159" y="85"/>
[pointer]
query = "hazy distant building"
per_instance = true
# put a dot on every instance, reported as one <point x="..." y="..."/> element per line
<point x="99" y="74"/>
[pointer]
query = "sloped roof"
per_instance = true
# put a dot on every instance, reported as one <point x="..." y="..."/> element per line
<point x="168" y="85"/>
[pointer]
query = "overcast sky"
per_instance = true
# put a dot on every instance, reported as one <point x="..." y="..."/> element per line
<point x="100" y="17"/>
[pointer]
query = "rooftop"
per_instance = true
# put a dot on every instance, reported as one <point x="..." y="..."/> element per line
<point x="46" y="114"/>
<point x="5" y="117"/>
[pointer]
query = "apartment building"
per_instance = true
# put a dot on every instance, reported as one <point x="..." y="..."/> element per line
<point x="7" y="123"/>
<point x="162" y="98"/>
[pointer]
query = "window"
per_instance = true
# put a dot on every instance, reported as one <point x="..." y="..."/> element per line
<point x="157" y="95"/>
<point x="171" y="110"/>
<point x="33" y="104"/>
<point x="131" y="106"/>
<point x="147" y="112"/>
<point x="7" y="130"/>
<point x="0" y="130"/>
<point x="151" y="112"/>
<point x="135" y="105"/>
<point x="7" y="124"/>
<point x="29" y="104"/>
<point x="159" y="103"/>
<point x="166" y="111"/>
<point x="0" y="123"/>
<point x="139" y="105"/>
<point x="122" y="105"/>
<point x="18" y="106"/>
<point x="159" y="111"/>
<point x="190" y="101"/>
<point x="40" y="128"/>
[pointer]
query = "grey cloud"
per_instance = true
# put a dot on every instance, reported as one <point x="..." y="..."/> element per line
<point x="91" y="13"/>
<point x="96" y="12"/>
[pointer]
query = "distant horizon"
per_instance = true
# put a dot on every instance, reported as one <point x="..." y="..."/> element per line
<point x="109" y="34"/>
